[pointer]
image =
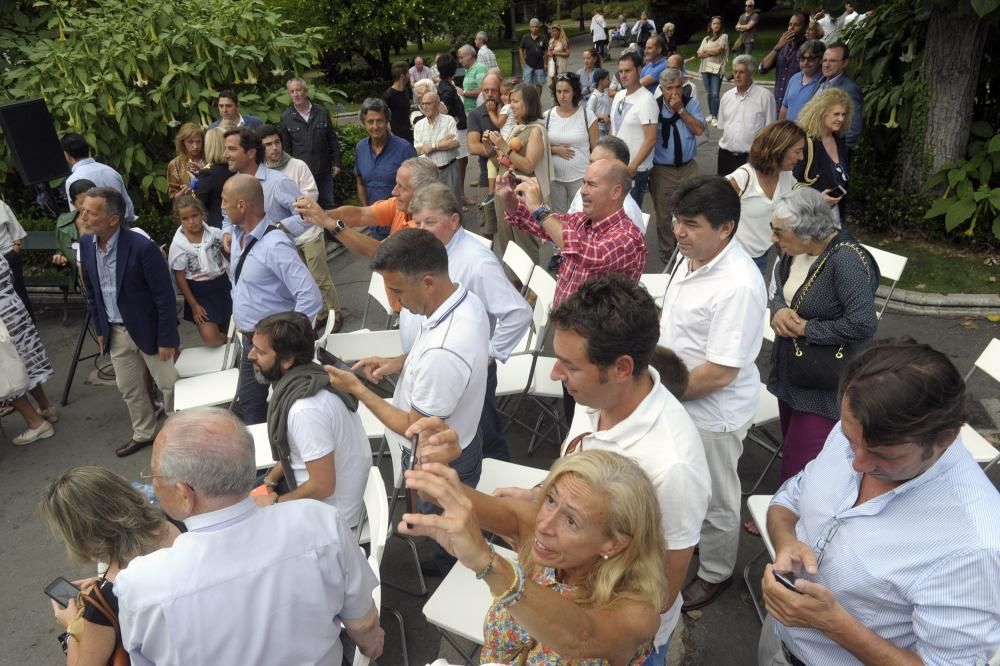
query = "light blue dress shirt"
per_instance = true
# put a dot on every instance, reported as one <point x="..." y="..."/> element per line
<point x="280" y="192"/>
<point x="273" y="280"/>
<point x="107" y="264"/>
<point x="689" y="145"/>
<point x="919" y="565"/>
<point x="100" y="175"/>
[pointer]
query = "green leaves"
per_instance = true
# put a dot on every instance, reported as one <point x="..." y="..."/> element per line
<point x="969" y="198"/>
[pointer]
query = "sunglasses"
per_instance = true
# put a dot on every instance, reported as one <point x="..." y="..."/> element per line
<point x="809" y="58"/>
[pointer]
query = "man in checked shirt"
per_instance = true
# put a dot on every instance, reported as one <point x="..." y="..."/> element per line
<point x="600" y="240"/>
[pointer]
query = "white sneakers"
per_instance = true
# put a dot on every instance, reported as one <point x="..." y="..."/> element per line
<point x="44" y="431"/>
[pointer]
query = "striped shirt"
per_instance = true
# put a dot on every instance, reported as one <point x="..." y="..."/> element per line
<point x="919" y="565"/>
<point x="611" y="245"/>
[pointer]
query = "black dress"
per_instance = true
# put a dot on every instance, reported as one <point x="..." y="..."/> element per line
<point x="209" y="191"/>
<point x="818" y="170"/>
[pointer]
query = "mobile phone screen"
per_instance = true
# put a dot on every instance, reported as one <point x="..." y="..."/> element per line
<point x="62" y="591"/>
<point x="327" y="358"/>
<point x="410" y="508"/>
<point x="787" y="578"/>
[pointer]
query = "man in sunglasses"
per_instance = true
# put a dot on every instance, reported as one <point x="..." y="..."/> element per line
<point x="804" y="84"/>
<point x="889" y="538"/>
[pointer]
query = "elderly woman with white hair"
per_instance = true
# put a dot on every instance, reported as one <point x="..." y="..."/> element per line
<point x="823" y="312"/>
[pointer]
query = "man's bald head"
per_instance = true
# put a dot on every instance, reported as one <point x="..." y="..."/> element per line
<point x="604" y="188"/>
<point x="246" y="188"/>
<point x="676" y="61"/>
<point x="491" y="87"/>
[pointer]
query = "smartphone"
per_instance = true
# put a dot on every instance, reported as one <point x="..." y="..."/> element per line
<point x="329" y="358"/>
<point x="61" y="590"/>
<point x="787" y="578"/>
<point x="838" y="191"/>
<point x="515" y="179"/>
<point x="410" y="508"/>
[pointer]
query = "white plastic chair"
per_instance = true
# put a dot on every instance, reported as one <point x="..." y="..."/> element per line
<point x="261" y="446"/>
<point x="757" y="506"/>
<point x="208" y="390"/>
<point x="356" y="345"/>
<point x="978" y="446"/>
<point x="194" y="361"/>
<point x="656" y="285"/>
<point x="519" y="263"/>
<point x="891" y="267"/>
<point x="503" y="474"/>
<point x="376" y="290"/>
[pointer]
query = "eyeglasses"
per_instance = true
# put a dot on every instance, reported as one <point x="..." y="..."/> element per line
<point x="825" y="538"/>
<point x="777" y="232"/>
<point x="147" y="474"/>
<point x="809" y="58"/>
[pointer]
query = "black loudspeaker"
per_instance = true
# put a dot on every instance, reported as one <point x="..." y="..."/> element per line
<point x="33" y="143"/>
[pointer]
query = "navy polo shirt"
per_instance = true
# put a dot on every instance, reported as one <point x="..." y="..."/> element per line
<point x="379" y="172"/>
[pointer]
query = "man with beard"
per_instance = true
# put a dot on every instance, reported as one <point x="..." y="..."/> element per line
<point x="314" y="429"/>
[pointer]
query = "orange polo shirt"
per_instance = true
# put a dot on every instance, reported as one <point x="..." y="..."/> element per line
<point x="388" y="214"/>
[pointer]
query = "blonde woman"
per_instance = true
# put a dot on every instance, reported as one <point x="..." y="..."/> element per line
<point x="558" y="53"/>
<point x="713" y="52"/>
<point x="189" y="161"/>
<point x="213" y="176"/>
<point x="102" y="518"/>
<point x="589" y="582"/>
<point x="826" y="118"/>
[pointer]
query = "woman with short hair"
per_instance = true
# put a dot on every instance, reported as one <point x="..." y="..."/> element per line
<point x="588" y="585"/>
<point x="102" y="519"/>
<point x="183" y="170"/>
<point x="823" y="311"/>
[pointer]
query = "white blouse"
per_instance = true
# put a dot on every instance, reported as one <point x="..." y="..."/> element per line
<point x="756" y="209"/>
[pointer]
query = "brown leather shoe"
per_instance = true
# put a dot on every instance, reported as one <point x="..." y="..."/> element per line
<point x="131" y="447"/>
<point x="700" y="593"/>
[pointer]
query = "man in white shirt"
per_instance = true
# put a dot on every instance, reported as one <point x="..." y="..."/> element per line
<point x="436" y="137"/>
<point x="314" y="429"/>
<point x="444" y="373"/>
<point x="633" y="120"/>
<point x="484" y="55"/>
<point x="475" y="267"/>
<point x="744" y="110"/>
<point x="612" y="148"/>
<point x="245" y="584"/>
<point x="76" y="151"/>
<point x="713" y="317"/>
<point x="605" y="336"/>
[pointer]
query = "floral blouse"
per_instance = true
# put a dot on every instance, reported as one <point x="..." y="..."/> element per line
<point x="506" y="642"/>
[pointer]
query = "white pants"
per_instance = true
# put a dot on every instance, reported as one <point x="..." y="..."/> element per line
<point x="720" y="533"/>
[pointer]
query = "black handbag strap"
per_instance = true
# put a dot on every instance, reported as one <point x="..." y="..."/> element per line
<point x="246" y="251"/>
<point x="816" y="271"/>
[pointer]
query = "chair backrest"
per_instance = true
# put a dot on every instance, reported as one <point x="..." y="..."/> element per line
<point x="544" y="287"/>
<point x="377" y="514"/>
<point x="656" y="284"/>
<point x="376" y="290"/>
<point x="233" y="348"/>
<point x="890" y="267"/>
<point x="482" y="239"/>
<point x="519" y="263"/>
<point x="645" y="220"/>
<point x="988" y="361"/>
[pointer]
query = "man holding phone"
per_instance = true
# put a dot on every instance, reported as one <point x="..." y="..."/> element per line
<point x="892" y="531"/>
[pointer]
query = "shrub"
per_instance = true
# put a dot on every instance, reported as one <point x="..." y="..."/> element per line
<point x="344" y="188"/>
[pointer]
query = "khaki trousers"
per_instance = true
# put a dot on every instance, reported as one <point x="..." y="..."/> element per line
<point x="720" y="532"/>
<point x="313" y="255"/>
<point x="663" y="182"/>
<point x="130" y="365"/>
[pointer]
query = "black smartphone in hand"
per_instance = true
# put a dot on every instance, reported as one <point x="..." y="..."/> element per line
<point x="838" y="191"/>
<point x="61" y="590"/>
<point x="787" y="578"/>
<point x="327" y="357"/>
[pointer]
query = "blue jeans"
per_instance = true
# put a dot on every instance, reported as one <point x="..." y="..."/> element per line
<point x="713" y="84"/>
<point x="640" y="183"/>
<point x="252" y="394"/>
<point x="494" y="440"/>
<point x="761" y="262"/>
<point x="659" y="657"/>
<point x="533" y="75"/>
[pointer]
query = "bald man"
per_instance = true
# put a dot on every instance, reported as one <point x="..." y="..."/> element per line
<point x="268" y="277"/>
<point x="479" y="122"/>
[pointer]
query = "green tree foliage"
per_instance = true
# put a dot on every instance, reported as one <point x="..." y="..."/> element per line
<point x="127" y="73"/>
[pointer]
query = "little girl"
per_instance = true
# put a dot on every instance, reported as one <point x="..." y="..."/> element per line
<point x="503" y="119"/>
<point x="200" y="270"/>
<point x="600" y="103"/>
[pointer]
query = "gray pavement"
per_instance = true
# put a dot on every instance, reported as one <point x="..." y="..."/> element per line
<point x="95" y="422"/>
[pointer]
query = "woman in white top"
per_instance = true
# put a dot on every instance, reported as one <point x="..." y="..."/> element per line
<point x="572" y="131"/>
<point x="713" y="52"/>
<point x="760" y="182"/>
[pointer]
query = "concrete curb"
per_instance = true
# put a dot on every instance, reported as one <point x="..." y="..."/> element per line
<point x="941" y="305"/>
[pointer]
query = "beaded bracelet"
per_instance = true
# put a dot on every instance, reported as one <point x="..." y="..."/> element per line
<point x="489" y="565"/>
<point x="516" y="591"/>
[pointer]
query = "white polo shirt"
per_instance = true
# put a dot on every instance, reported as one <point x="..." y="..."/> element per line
<point x="660" y="436"/>
<point x="444" y="374"/>
<point x="320" y="425"/>
<point x="474" y="266"/>
<point x="716" y="314"/>
<point x="629" y="116"/>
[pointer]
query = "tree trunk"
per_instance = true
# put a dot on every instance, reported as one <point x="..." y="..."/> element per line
<point x="953" y="53"/>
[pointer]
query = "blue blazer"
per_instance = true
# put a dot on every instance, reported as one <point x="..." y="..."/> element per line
<point x="852" y="89"/>
<point x="145" y="293"/>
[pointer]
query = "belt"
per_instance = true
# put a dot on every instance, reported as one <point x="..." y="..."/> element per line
<point x="445" y="166"/>
<point x="792" y="659"/>
<point x="674" y="166"/>
<point x="723" y="150"/>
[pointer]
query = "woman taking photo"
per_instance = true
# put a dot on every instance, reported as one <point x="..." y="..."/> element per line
<point x="588" y="585"/>
<point x="558" y="53"/>
<point x="823" y="305"/>
<point x="527" y="153"/>
<point x="102" y="518"/>
<point x="184" y="168"/>
<point x="591" y="62"/>
<point x="826" y="119"/>
<point x="213" y="176"/>
<point x="713" y="52"/>
<point x="765" y="178"/>
<point x="572" y="132"/>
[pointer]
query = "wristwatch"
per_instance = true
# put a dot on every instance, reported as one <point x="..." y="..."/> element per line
<point x="541" y="213"/>
<point x="338" y="226"/>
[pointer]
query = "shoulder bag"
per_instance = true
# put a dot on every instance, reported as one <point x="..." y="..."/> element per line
<point x="96" y="599"/>
<point x="818" y="367"/>
<point x="13" y="376"/>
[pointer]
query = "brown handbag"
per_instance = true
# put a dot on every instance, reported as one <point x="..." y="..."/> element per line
<point x="96" y="599"/>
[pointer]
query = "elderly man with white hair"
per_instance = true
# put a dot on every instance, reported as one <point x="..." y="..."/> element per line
<point x="745" y="109"/>
<point x="436" y="137"/>
<point x="245" y="584"/>
<point x="484" y="55"/>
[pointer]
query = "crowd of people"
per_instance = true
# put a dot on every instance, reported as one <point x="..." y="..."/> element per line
<point x="657" y="399"/>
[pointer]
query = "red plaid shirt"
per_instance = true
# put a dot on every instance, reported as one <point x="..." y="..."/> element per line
<point x="611" y="245"/>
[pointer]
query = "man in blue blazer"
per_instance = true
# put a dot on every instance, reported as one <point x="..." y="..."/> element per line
<point x="835" y="60"/>
<point x="132" y="306"/>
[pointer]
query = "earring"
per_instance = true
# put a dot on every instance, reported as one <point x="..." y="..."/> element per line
<point x="604" y="556"/>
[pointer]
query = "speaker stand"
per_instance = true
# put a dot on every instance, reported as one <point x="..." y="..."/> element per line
<point x="80" y="339"/>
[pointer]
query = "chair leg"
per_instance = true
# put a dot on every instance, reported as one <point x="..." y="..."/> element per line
<point x="750" y="589"/>
<point x="421" y="583"/>
<point x="468" y="658"/>
<point x="402" y="633"/>
<point x="772" y="445"/>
